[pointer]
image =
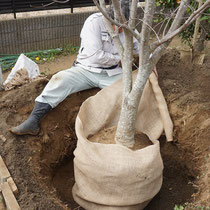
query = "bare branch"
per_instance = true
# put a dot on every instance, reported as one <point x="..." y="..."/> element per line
<point x="103" y="11"/>
<point x="133" y="11"/>
<point x="142" y="7"/>
<point x="161" y="23"/>
<point x="53" y="2"/>
<point x="197" y="25"/>
<point x="111" y="31"/>
<point x="117" y="12"/>
<point x="145" y="32"/>
<point x="43" y="5"/>
<point x="60" y="2"/>
<point x="128" y="51"/>
<point x="159" y="51"/>
<point x="140" y="20"/>
<point x="164" y="31"/>
<point x="179" y="15"/>
<point x="172" y="33"/>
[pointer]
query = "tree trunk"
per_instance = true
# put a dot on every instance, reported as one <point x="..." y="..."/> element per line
<point x="126" y="125"/>
<point x="149" y="54"/>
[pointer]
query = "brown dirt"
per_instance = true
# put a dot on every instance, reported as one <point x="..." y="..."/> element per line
<point x="107" y="135"/>
<point x="42" y="165"/>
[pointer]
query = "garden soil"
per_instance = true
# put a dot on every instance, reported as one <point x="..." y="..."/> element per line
<point x="107" y="136"/>
<point x="42" y="166"/>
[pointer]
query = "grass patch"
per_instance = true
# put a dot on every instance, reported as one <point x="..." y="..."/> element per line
<point x="7" y="62"/>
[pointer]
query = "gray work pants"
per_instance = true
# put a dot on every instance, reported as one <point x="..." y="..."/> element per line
<point x="72" y="80"/>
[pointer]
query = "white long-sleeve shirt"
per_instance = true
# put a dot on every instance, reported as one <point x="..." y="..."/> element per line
<point x="97" y="50"/>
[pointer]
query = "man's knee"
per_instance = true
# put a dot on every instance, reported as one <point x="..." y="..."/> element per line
<point x="59" y="76"/>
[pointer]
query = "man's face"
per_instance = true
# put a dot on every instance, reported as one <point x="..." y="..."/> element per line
<point x="120" y="30"/>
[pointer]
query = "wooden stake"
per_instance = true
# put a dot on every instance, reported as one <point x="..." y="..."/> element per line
<point x="10" y="200"/>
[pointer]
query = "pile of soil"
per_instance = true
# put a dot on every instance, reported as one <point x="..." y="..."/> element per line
<point x="42" y="165"/>
<point x="107" y="136"/>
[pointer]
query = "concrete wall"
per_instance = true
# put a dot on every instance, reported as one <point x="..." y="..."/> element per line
<point x="38" y="33"/>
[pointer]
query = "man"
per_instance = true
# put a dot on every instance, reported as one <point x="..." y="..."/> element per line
<point x="97" y="65"/>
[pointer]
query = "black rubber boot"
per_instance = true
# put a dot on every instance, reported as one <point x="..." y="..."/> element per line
<point x="32" y="124"/>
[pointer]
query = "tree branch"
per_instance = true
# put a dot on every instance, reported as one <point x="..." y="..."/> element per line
<point x="117" y="12"/>
<point x="173" y="31"/>
<point x="53" y="2"/>
<point x="169" y="21"/>
<point x="128" y="51"/>
<point x="179" y="15"/>
<point x="152" y="29"/>
<point x="111" y="31"/>
<point x="145" y="32"/>
<point x="133" y="12"/>
<point x="120" y="25"/>
<point x="60" y="2"/>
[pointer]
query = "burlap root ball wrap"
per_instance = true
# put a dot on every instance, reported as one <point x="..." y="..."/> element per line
<point x="112" y="176"/>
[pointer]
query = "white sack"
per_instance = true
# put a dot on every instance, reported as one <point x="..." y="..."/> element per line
<point x="24" y="62"/>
